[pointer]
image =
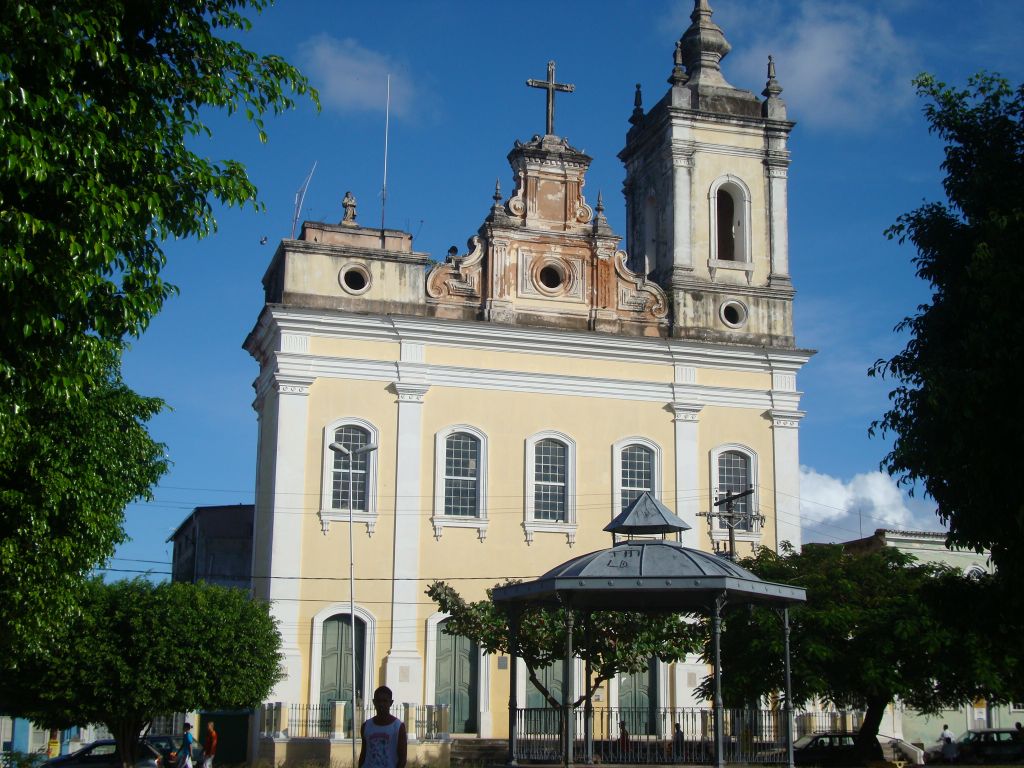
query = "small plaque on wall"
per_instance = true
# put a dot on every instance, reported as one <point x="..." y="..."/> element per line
<point x="503" y="662"/>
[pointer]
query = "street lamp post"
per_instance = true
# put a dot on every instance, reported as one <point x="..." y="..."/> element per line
<point x="350" y="454"/>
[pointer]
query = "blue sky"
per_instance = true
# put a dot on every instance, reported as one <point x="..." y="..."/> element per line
<point x="861" y="156"/>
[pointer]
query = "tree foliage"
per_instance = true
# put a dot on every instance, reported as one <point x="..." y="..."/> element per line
<point x="103" y="106"/>
<point x="611" y="642"/>
<point x="956" y="411"/>
<point x="67" y="470"/>
<point x="137" y="649"/>
<point x="876" y="626"/>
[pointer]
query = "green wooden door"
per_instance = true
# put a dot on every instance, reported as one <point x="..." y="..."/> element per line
<point x="551" y="678"/>
<point x="336" y="664"/>
<point x="638" y="699"/>
<point x="456" y="682"/>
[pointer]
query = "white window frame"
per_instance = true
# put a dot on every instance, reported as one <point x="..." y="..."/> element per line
<point x="617" y="448"/>
<point x="317" y="646"/>
<point x="329" y="514"/>
<point x="531" y="525"/>
<point x="439" y="519"/>
<point x="744" y="261"/>
<point x="722" y="534"/>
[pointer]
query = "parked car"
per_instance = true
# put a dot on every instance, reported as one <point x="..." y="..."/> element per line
<point x="104" y="754"/>
<point x="985" y="745"/>
<point x="167" y="746"/>
<point x="833" y="748"/>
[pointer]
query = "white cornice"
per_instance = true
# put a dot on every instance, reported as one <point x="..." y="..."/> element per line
<point x="694" y="395"/>
<point x="496" y="337"/>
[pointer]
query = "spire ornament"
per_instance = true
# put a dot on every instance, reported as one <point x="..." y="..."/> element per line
<point x="772" y="89"/>
<point x="678" y="76"/>
<point x="638" y="107"/>
<point x="773" y="107"/>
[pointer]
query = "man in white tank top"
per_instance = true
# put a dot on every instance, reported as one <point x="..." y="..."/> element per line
<point x="384" y="741"/>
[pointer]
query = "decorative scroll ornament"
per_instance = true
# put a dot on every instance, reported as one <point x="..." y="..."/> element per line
<point x="636" y="293"/>
<point x="458" y="276"/>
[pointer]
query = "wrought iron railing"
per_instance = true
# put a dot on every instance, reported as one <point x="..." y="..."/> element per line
<point x="668" y="735"/>
<point x="332" y="720"/>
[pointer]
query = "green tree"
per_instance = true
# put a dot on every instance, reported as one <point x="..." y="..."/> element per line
<point x="956" y="412"/>
<point x="103" y="108"/>
<point x="67" y="470"/>
<point x="876" y="626"/>
<point x="612" y="642"/>
<point x="137" y="649"/>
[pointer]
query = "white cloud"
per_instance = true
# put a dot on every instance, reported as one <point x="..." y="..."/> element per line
<point x="842" y="64"/>
<point x="835" y="509"/>
<point x="351" y="77"/>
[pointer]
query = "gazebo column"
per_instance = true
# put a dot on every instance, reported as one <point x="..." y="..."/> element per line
<point x="514" y="618"/>
<point x="788" y="709"/>
<point x="719" y="709"/>
<point x="568" y="686"/>
<point x="588" y="705"/>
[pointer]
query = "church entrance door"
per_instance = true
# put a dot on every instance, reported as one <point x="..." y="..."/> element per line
<point x="336" y="665"/>
<point x="638" y="699"/>
<point x="457" y="676"/>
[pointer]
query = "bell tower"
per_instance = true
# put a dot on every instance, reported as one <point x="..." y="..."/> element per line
<point x="705" y="190"/>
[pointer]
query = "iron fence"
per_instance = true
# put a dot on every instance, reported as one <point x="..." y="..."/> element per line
<point x="668" y="735"/>
<point x="333" y="720"/>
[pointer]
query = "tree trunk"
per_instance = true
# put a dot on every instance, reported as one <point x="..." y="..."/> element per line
<point x="127" y="734"/>
<point x="867" y="737"/>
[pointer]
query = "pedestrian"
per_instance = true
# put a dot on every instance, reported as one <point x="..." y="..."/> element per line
<point x="384" y="742"/>
<point x="677" y="741"/>
<point x="209" y="745"/>
<point x="948" y="744"/>
<point x="623" y="737"/>
<point x="1018" y="734"/>
<point x="185" y="750"/>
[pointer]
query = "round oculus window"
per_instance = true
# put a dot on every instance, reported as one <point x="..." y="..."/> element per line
<point x="355" y="279"/>
<point x="551" y="277"/>
<point x="733" y="314"/>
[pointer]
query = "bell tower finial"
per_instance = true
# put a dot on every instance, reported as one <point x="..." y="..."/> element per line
<point x="773" y="107"/>
<point x="703" y="46"/>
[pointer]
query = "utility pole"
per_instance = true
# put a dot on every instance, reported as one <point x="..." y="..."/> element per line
<point x="731" y="518"/>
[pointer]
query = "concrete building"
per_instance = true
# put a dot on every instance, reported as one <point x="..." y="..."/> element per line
<point x="214" y="544"/>
<point x="519" y="393"/>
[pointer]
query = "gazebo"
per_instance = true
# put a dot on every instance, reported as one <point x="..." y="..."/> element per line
<point x="654" y="575"/>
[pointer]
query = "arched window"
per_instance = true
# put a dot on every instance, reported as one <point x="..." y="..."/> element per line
<point x="637" y="471"/>
<point x="550" y="476"/>
<point x="734" y="470"/>
<point x="460" y="480"/>
<point x="726" y="226"/>
<point x="352" y="437"/>
<point x="353" y="434"/>
<point x="461" y="475"/>
<point x="730" y="247"/>
<point x="636" y="467"/>
<point x="550" y="481"/>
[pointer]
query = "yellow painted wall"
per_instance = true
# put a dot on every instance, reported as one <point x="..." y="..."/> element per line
<point x="508" y="419"/>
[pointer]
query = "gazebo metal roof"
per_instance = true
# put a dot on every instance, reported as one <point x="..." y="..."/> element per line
<point x="648" y="575"/>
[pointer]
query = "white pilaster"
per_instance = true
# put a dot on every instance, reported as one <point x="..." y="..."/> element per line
<point x="778" y="221"/>
<point x="682" y="225"/>
<point x="403" y="668"/>
<point x="686" y="419"/>
<point x="786" y="445"/>
<point x="289" y="396"/>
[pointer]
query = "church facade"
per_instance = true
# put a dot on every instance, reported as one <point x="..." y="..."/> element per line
<point x="485" y="417"/>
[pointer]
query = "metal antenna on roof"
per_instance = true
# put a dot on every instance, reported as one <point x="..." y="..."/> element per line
<point x="300" y="197"/>
<point x="384" y="186"/>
